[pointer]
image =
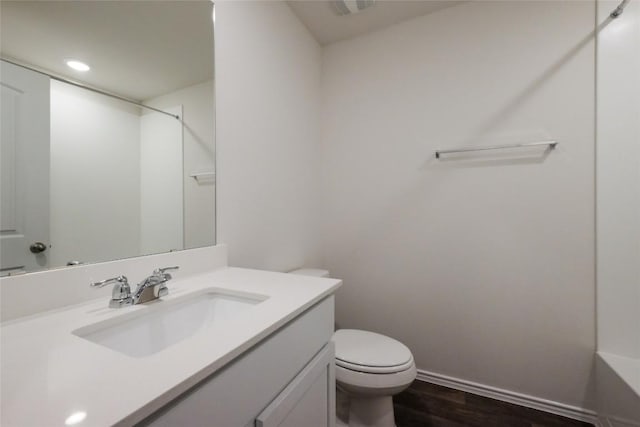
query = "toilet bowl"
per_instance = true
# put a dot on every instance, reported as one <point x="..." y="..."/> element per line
<point x="370" y="368"/>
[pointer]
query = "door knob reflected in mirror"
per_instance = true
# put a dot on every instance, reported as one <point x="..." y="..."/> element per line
<point x="37" y="247"/>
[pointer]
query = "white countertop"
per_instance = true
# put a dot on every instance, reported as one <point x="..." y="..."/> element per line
<point x="49" y="374"/>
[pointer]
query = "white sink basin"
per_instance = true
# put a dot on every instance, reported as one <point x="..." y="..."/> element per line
<point x="165" y="323"/>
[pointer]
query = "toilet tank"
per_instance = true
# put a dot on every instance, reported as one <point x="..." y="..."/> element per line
<point x="315" y="272"/>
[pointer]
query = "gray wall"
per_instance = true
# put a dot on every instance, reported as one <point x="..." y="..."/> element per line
<point x="267" y="139"/>
<point x="483" y="266"/>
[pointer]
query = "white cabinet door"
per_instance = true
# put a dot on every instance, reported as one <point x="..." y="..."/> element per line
<point x="24" y="204"/>
<point x="309" y="400"/>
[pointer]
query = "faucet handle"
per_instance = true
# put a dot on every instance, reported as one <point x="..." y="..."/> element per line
<point x="121" y="294"/>
<point x="159" y="271"/>
<point x="113" y="280"/>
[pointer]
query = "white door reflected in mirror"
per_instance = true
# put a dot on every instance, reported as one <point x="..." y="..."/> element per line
<point x="24" y="233"/>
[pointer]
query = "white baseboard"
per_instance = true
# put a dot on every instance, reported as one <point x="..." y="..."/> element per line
<point x="616" y="422"/>
<point x="527" y="401"/>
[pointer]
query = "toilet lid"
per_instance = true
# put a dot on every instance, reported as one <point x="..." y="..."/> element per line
<point x="370" y="352"/>
<point x="375" y="369"/>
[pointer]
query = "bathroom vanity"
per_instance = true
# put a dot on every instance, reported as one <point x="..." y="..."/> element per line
<point x="283" y="381"/>
<point x="226" y="347"/>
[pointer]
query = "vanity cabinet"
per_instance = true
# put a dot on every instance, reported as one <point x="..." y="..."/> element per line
<point x="287" y="380"/>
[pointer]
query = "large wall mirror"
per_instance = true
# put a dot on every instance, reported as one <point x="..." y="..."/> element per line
<point x="111" y="162"/>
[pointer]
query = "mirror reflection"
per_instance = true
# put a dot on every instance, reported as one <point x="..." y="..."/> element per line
<point x="107" y="131"/>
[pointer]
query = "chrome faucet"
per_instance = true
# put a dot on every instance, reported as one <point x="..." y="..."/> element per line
<point x="151" y="288"/>
<point x="154" y="286"/>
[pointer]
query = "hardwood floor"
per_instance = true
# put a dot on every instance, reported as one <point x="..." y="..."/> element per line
<point x="429" y="405"/>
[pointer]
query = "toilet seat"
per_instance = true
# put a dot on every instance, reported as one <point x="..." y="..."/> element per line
<point x="374" y="369"/>
<point x="371" y="353"/>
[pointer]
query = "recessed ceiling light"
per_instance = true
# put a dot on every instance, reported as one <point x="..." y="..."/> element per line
<point x="75" y="418"/>
<point x="77" y="65"/>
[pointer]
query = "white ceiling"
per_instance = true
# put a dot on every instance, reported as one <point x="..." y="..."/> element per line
<point x="327" y="27"/>
<point x="137" y="49"/>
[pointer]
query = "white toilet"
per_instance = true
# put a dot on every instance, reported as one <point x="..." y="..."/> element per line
<point x="370" y="369"/>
